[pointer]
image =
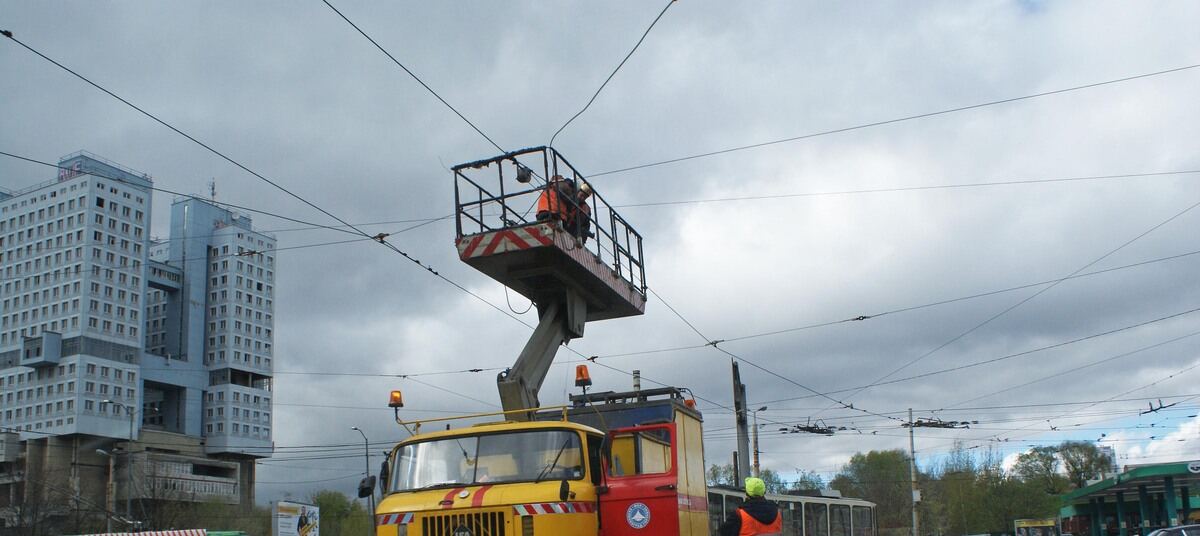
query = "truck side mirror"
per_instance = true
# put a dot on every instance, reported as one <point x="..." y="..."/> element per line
<point x="384" y="472"/>
<point x="366" y="486"/>
<point x="564" y="491"/>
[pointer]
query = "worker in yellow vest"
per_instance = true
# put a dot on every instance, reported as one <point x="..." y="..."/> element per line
<point x="757" y="516"/>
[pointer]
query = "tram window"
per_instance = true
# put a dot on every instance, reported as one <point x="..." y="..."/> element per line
<point x="716" y="512"/>
<point x="643" y="452"/>
<point x="732" y="503"/>
<point x="863" y="524"/>
<point x="792" y="517"/>
<point x="839" y="520"/>
<point x="816" y="519"/>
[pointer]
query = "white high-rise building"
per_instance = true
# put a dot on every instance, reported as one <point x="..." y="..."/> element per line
<point x="160" y="352"/>
<point x="73" y="262"/>
<point x="220" y="321"/>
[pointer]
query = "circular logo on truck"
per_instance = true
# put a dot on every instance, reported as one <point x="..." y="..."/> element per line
<point x="462" y="530"/>
<point x="1194" y="467"/>
<point x="637" y="515"/>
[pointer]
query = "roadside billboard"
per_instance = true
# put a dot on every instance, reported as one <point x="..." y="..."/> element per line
<point x="1035" y="527"/>
<point x="295" y="519"/>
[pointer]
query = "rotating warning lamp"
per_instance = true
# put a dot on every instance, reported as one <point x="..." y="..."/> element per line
<point x="582" y="377"/>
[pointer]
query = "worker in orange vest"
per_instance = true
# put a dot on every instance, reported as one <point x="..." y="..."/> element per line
<point x="755" y="517"/>
<point x="554" y="203"/>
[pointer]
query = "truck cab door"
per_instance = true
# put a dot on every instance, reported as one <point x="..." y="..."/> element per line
<point x="642" y="480"/>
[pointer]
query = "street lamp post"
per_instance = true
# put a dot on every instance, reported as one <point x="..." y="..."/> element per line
<point x="128" y="458"/>
<point x="755" y="414"/>
<point x="367" y="466"/>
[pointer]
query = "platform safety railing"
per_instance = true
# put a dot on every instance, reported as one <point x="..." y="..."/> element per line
<point x="502" y="192"/>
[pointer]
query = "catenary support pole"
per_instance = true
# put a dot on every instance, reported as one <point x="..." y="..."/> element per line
<point x="757" y="472"/>
<point x="743" y="438"/>
<point x="912" y="471"/>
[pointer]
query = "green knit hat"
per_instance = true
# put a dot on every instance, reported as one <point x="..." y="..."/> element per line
<point x="755" y="487"/>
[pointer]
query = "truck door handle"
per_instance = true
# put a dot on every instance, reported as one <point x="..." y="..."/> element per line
<point x="665" y="487"/>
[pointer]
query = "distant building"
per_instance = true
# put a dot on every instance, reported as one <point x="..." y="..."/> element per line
<point x="107" y="336"/>
<point x="1113" y="467"/>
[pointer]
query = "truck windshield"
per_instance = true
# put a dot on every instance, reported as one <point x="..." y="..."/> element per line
<point x="489" y="459"/>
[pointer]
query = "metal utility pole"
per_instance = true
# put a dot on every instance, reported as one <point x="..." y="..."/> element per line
<point x="367" y="466"/>
<point x="912" y="455"/>
<point x="756" y="470"/>
<point x="912" y="471"/>
<point x="736" y="474"/>
<point x="739" y="408"/>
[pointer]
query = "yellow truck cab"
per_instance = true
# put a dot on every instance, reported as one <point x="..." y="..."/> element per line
<point x="612" y="464"/>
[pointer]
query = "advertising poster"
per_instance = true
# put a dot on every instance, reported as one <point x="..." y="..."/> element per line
<point x="296" y="519"/>
<point x="1036" y="527"/>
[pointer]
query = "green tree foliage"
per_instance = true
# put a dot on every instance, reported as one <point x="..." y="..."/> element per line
<point x="966" y="492"/>
<point x="340" y="516"/>
<point x="883" y="478"/>
<point x="1083" y="461"/>
<point x="722" y="475"/>
<point x="808" y="480"/>
<point x="1041" y="466"/>
<point x="970" y="493"/>
<point x="775" y="483"/>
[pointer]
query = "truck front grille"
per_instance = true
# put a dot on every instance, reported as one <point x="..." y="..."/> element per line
<point x="478" y="523"/>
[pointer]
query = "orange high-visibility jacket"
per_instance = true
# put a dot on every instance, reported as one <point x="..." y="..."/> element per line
<point x="752" y="527"/>
<point x="551" y="201"/>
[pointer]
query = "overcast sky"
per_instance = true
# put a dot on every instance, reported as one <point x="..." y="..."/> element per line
<point x="294" y="93"/>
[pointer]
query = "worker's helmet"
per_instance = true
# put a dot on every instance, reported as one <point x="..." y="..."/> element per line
<point x="585" y="188"/>
<point x="755" y="487"/>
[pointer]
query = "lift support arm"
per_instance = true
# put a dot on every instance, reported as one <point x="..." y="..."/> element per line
<point x="560" y="322"/>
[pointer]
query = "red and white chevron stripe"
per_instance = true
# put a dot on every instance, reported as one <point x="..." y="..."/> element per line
<point x="533" y="509"/>
<point x="517" y="238"/>
<point x="394" y="519"/>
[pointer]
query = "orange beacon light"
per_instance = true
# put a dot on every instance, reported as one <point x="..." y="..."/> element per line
<point x="582" y="377"/>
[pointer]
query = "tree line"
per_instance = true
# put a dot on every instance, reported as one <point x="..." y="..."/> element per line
<point x="968" y="491"/>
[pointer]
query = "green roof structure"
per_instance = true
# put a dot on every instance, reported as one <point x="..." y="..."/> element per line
<point x="1136" y="501"/>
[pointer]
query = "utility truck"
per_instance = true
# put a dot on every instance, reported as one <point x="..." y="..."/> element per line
<point x="606" y="463"/>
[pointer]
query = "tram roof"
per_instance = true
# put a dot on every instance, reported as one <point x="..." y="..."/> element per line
<point x="796" y="497"/>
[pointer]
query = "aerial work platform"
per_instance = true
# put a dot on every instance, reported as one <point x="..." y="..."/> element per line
<point x="498" y="233"/>
<point x="528" y="220"/>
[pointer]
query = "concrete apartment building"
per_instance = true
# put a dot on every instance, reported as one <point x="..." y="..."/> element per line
<point x="117" y="349"/>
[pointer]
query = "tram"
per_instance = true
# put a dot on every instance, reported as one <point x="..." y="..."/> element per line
<point x="803" y="515"/>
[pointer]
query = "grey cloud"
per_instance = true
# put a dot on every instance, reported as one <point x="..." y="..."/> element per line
<point x="293" y="92"/>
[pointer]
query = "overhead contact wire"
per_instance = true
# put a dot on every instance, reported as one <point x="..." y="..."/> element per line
<point x="897" y="120"/>
<point x="614" y="71"/>
<point x="413" y="75"/>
